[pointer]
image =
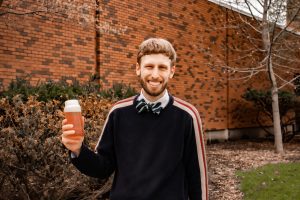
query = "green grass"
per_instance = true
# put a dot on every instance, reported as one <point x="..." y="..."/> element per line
<point x="271" y="182"/>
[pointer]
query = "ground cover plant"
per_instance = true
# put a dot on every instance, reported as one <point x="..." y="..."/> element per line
<point x="226" y="158"/>
<point x="272" y="181"/>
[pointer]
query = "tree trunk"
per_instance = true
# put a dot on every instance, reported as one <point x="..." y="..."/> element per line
<point x="276" y="121"/>
<point x="267" y="41"/>
<point x="275" y="108"/>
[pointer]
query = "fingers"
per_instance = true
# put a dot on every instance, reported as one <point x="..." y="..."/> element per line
<point x="64" y="121"/>
<point x="69" y="137"/>
<point x="72" y="145"/>
<point x="76" y="140"/>
<point x="67" y="127"/>
<point x="67" y="133"/>
<point x="72" y="135"/>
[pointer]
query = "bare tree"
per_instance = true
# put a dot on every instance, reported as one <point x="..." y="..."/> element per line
<point x="264" y="38"/>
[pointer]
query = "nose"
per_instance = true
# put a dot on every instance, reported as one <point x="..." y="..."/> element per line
<point x="155" y="72"/>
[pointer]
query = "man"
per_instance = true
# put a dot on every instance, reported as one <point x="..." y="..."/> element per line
<point x="153" y="141"/>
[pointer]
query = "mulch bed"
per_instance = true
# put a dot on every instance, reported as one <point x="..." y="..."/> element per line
<point x="227" y="157"/>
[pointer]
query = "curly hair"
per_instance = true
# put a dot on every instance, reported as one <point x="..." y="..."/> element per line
<point x="156" y="46"/>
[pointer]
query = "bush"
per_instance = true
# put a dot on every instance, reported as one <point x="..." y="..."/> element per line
<point x="63" y="90"/>
<point x="118" y="91"/>
<point x="33" y="162"/>
<point x="46" y="91"/>
<point x="262" y="101"/>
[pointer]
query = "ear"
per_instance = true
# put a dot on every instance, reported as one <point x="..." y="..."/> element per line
<point x="138" y="69"/>
<point x="172" y="71"/>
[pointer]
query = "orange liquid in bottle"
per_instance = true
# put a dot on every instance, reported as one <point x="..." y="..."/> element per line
<point x="75" y="119"/>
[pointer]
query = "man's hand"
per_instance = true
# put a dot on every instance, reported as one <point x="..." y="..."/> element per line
<point x="72" y="141"/>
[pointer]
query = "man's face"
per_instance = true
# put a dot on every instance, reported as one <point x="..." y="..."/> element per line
<point x="154" y="71"/>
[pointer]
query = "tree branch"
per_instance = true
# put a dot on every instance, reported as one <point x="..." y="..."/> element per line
<point x="249" y="24"/>
<point x="292" y="31"/>
<point x="286" y="59"/>
<point x="286" y="82"/>
<point x="245" y="77"/>
<point x="246" y="32"/>
<point x="259" y="3"/>
<point x="279" y="66"/>
<point x="249" y="4"/>
<point x="286" y="26"/>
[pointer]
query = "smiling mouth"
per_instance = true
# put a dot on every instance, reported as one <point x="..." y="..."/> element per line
<point x="154" y="83"/>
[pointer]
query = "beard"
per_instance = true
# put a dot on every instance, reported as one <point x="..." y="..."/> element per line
<point x="152" y="93"/>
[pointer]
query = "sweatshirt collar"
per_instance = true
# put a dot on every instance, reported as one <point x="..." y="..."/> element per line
<point x="164" y="100"/>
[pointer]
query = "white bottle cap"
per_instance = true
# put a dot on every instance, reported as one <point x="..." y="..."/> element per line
<point x="72" y="106"/>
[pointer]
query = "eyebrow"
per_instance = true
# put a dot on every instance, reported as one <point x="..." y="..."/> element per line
<point x="160" y="64"/>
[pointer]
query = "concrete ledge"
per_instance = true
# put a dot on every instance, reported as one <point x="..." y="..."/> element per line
<point x="239" y="133"/>
<point x="248" y="133"/>
<point x="217" y="135"/>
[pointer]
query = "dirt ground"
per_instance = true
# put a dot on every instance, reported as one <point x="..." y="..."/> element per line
<point x="227" y="157"/>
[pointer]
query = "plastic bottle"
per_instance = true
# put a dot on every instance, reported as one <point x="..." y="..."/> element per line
<point x="73" y="115"/>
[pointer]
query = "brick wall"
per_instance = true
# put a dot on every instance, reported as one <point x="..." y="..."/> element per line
<point x="50" y="46"/>
<point x="243" y="53"/>
<point x="44" y="46"/>
<point x="184" y="23"/>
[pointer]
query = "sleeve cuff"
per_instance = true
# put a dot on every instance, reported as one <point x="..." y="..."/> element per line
<point x="73" y="155"/>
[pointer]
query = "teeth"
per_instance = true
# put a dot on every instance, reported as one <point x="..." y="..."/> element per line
<point x="154" y="83"/>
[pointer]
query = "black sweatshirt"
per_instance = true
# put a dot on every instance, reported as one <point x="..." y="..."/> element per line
<point x="154" y="157"/>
